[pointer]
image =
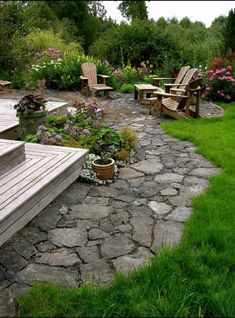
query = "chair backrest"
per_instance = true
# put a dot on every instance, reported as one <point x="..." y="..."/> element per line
<point x="188" y="77"/>
<point x="89" y="71"/>
<point x="181" y="74"/>
<point x="193" y="84"/>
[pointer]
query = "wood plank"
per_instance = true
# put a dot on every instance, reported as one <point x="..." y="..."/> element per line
<point x="35" y="183"/>
<point x="43" y="191"/>
<point x="19" y="223"/>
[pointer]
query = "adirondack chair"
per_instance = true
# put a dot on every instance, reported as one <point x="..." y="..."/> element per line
<point x="89" y="80"/>
<point x="4" y="84"/>
<point x="176" y="88"/>
<point x="178" y="80"/>
<point x="179" y="105"/>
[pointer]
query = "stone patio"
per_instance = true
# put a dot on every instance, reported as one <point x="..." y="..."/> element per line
<point x="91" y="232"/>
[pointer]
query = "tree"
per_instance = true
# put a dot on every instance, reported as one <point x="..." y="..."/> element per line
<point x="186" y="23"/>
<point x="97" y="9"/>
<point x="133" y="9"/>
<point x="229" y="33"/>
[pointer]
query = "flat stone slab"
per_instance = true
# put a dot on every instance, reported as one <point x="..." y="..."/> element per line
<point x="205" y="172"/>
<point x="168" y="192"/>
<point x="58" y="257"/>
<point x="45" y="273"/>
<point x="127" y="263"/>
<point x="117" y="245"/>
<point x="168" y="178"/>
<point x="142" y="229"/>
<point x="180" y="214"/>
<point x="68" y="237"/>
<point x="150" y="166"/>
<point x="97" y="272"/>
<point x="166" y="233"/>
<point x="159" y="208"/>
<point x="128" y="174"/>
<point x="89" y="211"/>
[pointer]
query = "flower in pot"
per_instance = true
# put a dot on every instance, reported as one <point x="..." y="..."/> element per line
<point x="31" y="110"/>
<point x="104" y="167"/>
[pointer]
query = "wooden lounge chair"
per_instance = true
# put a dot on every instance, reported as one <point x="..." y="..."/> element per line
<point x="179" y="105"/>
<point x="176" y="88"/>
<point x="89" y="80"/>
<point x="178" y="80"/>
<point x="4" y="84"/>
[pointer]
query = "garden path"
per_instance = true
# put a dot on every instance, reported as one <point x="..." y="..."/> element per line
<point x="90" y="232"/>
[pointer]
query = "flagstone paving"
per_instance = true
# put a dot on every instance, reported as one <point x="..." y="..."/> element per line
<point x="91" y="232"/>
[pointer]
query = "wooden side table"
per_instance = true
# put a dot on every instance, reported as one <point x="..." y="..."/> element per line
<point x="141" y="89"/>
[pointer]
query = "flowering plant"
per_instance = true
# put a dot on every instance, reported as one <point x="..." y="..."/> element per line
<point x="30" y="103"/>
<point x="220" y="84"/>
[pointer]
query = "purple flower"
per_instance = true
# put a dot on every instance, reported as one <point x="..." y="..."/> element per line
<point x="106" y="62"/>
<point x="50" y="49"/>
<point x="68" y="113"/>
<point x="58" y="138"/>
<point x="42" y="127"/>
<point x="86" y="132"/>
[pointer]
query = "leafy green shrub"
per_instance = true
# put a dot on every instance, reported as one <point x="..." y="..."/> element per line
<point x="39" y="40"/>
<point x="127" y="88"/>
<point x="61" y="70"/>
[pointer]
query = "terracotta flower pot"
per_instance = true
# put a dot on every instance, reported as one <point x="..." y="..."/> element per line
<point x="104" y="171"/>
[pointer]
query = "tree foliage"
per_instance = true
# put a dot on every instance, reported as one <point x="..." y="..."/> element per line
<point x="230" y="31"/>
<point x="133" y="9"/>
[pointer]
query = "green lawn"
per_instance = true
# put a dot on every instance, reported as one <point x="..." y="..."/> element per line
<point x="194" y="279"/>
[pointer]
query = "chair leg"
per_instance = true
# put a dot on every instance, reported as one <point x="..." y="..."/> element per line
<point x="106" y="93"/>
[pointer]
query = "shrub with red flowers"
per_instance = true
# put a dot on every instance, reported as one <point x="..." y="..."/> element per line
<point x="220" y="84"/>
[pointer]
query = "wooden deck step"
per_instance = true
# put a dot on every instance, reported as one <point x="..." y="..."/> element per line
<point x="9" y="123"/>
<point x="28" y="188"/>
<point x="11" y="150"/>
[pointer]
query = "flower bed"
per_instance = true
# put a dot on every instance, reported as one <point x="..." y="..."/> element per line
<point x="86" y="128"/>
<point x="220" y="84"/>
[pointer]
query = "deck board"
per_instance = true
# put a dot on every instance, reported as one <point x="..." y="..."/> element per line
<point x="34" y="183"/>
<point x="9" y="122"/>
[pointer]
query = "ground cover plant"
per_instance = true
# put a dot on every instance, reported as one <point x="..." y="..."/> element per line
<point x="195" y="279"/>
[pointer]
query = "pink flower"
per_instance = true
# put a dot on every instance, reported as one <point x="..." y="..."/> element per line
<point x="228" y="97"/>
<point x="228" y="73"/>
<point x="209" y="72"/>
<point x="229" y="67"/>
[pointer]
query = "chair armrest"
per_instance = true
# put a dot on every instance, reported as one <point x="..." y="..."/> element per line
<point x="178" y="90"/>
<point x="83" y="78"/>
<point x="103" y="76"/>
<point x="175" y="84"/>
<point x="169" y="95"/>
<point x="163" y="78"/>
<point x="195" y="89"/>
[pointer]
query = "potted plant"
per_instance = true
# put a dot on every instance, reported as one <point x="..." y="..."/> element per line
<point x="104" y="167"/>
<point x="31" y="110"/>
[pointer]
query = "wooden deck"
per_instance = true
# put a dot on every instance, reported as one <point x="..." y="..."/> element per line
<point x="28" y="185"/>
<point x="9" y="123"/>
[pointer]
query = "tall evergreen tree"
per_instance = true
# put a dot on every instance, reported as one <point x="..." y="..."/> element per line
<point x="133" y="9"/>
<point x="230" y="32"/>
